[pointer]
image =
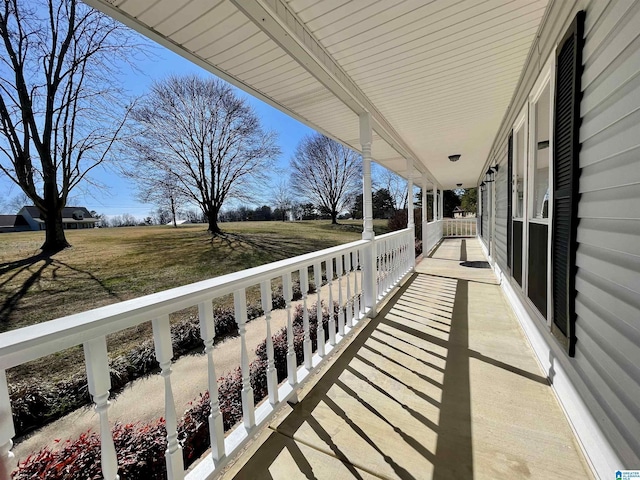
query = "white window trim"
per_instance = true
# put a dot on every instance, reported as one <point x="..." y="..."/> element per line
<point x="520" y="123"/>
<point x="544" y="80"/>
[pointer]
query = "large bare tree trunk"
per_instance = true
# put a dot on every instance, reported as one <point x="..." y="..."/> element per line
<point x="57" y="114"/>
<point x="173" y="212"/>
<point x="212" y="216"/>
<point x="214" y="229"/>
<point x="55" y="239"/>
<point x="51" y="211"/>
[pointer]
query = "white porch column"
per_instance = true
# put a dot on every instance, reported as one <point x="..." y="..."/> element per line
<point x="410" y="207"/>
<point x="435" y="202"/>
<point x="410" y="219"/>
<point x="424" y="215"/>
<point x="369" y="262"/>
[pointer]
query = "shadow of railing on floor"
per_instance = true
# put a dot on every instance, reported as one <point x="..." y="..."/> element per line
<point x="412" y="356"/>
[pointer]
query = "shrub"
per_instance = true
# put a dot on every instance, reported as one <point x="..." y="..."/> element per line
<point x="141" y="446"/>
<point x="418" y="247"/>
<point x="37" y="404"/>
<point x="399" y="222"/>
<point x="140" y="450"/>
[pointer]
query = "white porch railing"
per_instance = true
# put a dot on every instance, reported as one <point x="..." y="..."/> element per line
<point x="459" y="227"/>
<point x="395" y="254"/>
<point x="434" y="235"/>
<point x="343" y="264"/>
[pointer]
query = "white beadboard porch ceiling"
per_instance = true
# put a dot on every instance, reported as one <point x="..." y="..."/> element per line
<point x="437" y="75"/>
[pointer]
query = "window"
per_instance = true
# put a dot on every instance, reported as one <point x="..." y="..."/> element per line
<point x="540" y="160"/>
<point x="518" y="172"/>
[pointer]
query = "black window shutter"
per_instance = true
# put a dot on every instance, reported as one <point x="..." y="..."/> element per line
<point x="509" y="197"/>
<point x="565" y="178"/>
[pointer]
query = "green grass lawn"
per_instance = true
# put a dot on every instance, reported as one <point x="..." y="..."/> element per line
<point x="105" y="266"/>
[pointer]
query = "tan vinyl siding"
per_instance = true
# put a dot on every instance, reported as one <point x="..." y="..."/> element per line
<point x="608" y="256"/>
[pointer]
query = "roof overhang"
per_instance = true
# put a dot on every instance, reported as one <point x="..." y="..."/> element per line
<point x="436" y="77"/>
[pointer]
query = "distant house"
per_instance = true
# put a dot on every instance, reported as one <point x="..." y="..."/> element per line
<point x="72" y="218"/>
<point x="29" y="218"/>
<point x="181" y="222"/>
<point x="459" y="212"/>
<point x="13" y="223"/>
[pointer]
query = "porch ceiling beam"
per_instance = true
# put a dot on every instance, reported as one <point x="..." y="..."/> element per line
<point x="284" y="27"/>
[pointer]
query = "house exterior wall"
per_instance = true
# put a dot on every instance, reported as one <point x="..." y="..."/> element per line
<point x="599" y="387"/>
<point x="608" y="256"/>
<point x="500" y="237"/>
<point x="30" y="220"/>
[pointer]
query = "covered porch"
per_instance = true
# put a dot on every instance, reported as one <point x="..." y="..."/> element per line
<point x="423" y="371"/>
<point x="441" y="384"/>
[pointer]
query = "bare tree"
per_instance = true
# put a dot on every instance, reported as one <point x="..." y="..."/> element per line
<point x="205" y="134"/>
<point x="394" y="184"/>
<point x="17" y="202"/>
<point x="282" y="199"/>
<point x="160" y="188"/>
<point x="326" y="173"/>
<point x="59" y="114"/>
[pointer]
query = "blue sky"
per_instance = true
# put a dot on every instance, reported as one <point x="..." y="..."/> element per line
<point x="118" y="196"/>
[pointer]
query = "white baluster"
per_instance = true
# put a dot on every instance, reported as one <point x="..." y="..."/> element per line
<point x="339" y="273"/>
<point x="379" y="270"/>
<point x="403" y="258"/>
<point x="7" y="430"/>
<point x="332" y="322"/>
<point x="306" y="343"/>
<point x="385" y="285"/>
<point x="356" y="291"/>
<point x="349" y="303"/>
<point x="395" y="261"/>
<point x="317" y="277"/>
<point x="292" y="367"/>
<point x="97" y="364"/>
<point x="272" y="374"/>
<point x="216" y="425"/>
<point x="248" y="408"/>
<point x="164" y="354"/>
<point x="400" y="259"/>
<point x="386" y="267"/>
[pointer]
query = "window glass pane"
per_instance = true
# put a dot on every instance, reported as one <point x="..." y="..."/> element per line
<point x="540" y="187"/>
<point x="519" y="172"/>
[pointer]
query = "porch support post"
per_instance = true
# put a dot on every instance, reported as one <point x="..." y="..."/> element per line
<point x="424" y="215"/>
<point x="435" y="201"/>
<point x="410" y="214"/>
<point x="369" y="271"/>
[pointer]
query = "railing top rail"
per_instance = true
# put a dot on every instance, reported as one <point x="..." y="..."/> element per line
<point x="29" y="343"/>
<point x="389" y="235"/>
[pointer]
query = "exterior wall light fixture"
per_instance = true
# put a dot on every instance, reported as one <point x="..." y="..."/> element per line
<point x="489" y="175"/>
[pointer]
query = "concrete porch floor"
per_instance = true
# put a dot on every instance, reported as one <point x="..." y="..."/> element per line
<point x="442" y="384"/>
